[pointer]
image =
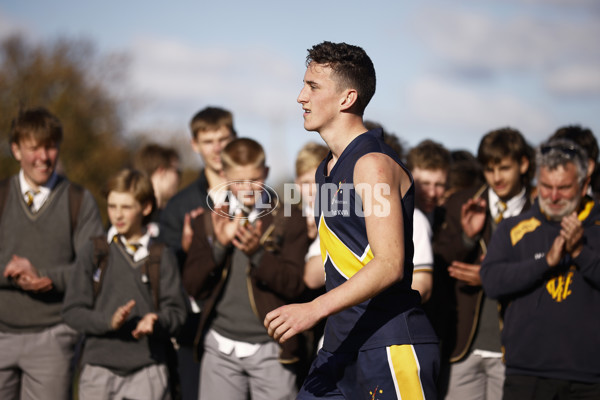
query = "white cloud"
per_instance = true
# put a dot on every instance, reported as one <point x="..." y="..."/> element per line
<point x="9" y="26"/>
<point x="259" y="86"/>
<point x="446" y="106"/>
<point x="469" y="38"/>
<point x="574" y="80"/>
<point x="568" y="3"/>
<point x="467" y="41"/>
<point x="253" y="80"/>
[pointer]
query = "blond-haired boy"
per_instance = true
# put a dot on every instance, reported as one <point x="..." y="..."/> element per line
<point x="128" y="319"/>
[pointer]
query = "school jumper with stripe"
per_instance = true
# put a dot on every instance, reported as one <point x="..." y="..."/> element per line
<point x="551" y="320"/>
<point x="45" y="238"/>
<point x="122" y="281"/>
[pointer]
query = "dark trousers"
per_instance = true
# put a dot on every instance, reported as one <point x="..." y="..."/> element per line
<point x="523" y="387"/>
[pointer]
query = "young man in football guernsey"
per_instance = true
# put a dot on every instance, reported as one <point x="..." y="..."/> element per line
<point x="378" y="342"/>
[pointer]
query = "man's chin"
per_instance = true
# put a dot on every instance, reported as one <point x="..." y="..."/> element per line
<point x="217" y="167"/>
<point x="425" y="207"/>
<point x="556" y="215"/>
<point x="42" y="179"/>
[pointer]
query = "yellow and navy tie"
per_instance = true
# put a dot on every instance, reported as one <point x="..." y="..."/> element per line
<point x="131" y="248"/>
<point x="501" y="207"/>
<point x="29" y="195"/>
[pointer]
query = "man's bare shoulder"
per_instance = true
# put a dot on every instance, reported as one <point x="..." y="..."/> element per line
<point x="372" y="162"/>
<point x="378" y="168"/>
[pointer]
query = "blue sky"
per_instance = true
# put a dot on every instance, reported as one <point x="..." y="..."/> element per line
<point x="447" y="70"/>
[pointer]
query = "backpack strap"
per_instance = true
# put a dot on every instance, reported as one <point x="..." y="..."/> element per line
<point x="101" y="249"/>
<point x="152" y="269"/>
<point x="75" y="200"/>
<point x="208" y="225"/>
<point x="4" y="189"/>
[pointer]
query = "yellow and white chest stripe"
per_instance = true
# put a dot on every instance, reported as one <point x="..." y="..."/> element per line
<point x="344" y="260"/>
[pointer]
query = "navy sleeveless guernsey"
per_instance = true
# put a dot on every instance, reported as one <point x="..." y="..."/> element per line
<point x="394" y="316"/>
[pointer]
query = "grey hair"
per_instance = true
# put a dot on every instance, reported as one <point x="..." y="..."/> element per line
<point x="559" y="152"/>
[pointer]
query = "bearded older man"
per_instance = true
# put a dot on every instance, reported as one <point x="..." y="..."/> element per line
<point x="544" y="267"/>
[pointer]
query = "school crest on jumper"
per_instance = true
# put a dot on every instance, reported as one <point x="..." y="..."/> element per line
<point x="559" y="287"/>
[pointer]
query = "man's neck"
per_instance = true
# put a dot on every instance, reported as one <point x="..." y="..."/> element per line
<point x="521" y="192"/>
<point x="136" y="235"/>
<point x="511" y="206"/>
<point x="34" y="186"/>
<point x="213" y="178"/>
<point x="340" y="136"/>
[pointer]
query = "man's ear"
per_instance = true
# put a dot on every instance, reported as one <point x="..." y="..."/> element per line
<point x="160" y="171"/>
<point x="350" y="98"/>
<point x="16" y="151"/>
<point x="586" y="183"/>
<point x="266" y="172"/>
<point x="591" y="166"/>
<point x="147" y="209"/>
<point x="524" y="165"/>
<point x="195" y="145"/>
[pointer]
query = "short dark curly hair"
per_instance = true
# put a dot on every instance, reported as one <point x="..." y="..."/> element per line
<point x="352" y="68"/>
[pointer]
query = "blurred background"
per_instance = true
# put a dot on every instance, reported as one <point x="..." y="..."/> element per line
<point x="121" y="73"/>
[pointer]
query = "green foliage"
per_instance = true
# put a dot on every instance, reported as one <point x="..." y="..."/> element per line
<point x="71" y="80"/>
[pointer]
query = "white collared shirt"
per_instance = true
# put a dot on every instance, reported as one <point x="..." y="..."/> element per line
<point x="41" y="194"/>
<point x="487" y="353"/>
<point x="314" y="250"/>
<point x="235" y="206"/>
<point x="228" y="346"/>
<point x="144" y="241"/>
<point x="422" y="234"/>
<point x="514" y="206"/>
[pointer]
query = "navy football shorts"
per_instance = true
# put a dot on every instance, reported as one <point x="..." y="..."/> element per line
<point x="407" y="372"/>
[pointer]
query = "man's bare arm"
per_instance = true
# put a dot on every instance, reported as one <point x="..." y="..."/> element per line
<point x="386" y="236"/>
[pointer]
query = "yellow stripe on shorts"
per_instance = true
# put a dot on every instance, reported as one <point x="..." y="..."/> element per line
<point x="406" y="372"/>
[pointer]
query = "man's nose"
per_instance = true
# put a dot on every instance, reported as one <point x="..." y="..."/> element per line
<point x="302" y="96"/>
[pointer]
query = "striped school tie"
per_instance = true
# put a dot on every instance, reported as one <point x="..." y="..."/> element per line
<point x="29" y="196"/>
<point x="501" y="207"/>
<point x="131" y="248"/>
